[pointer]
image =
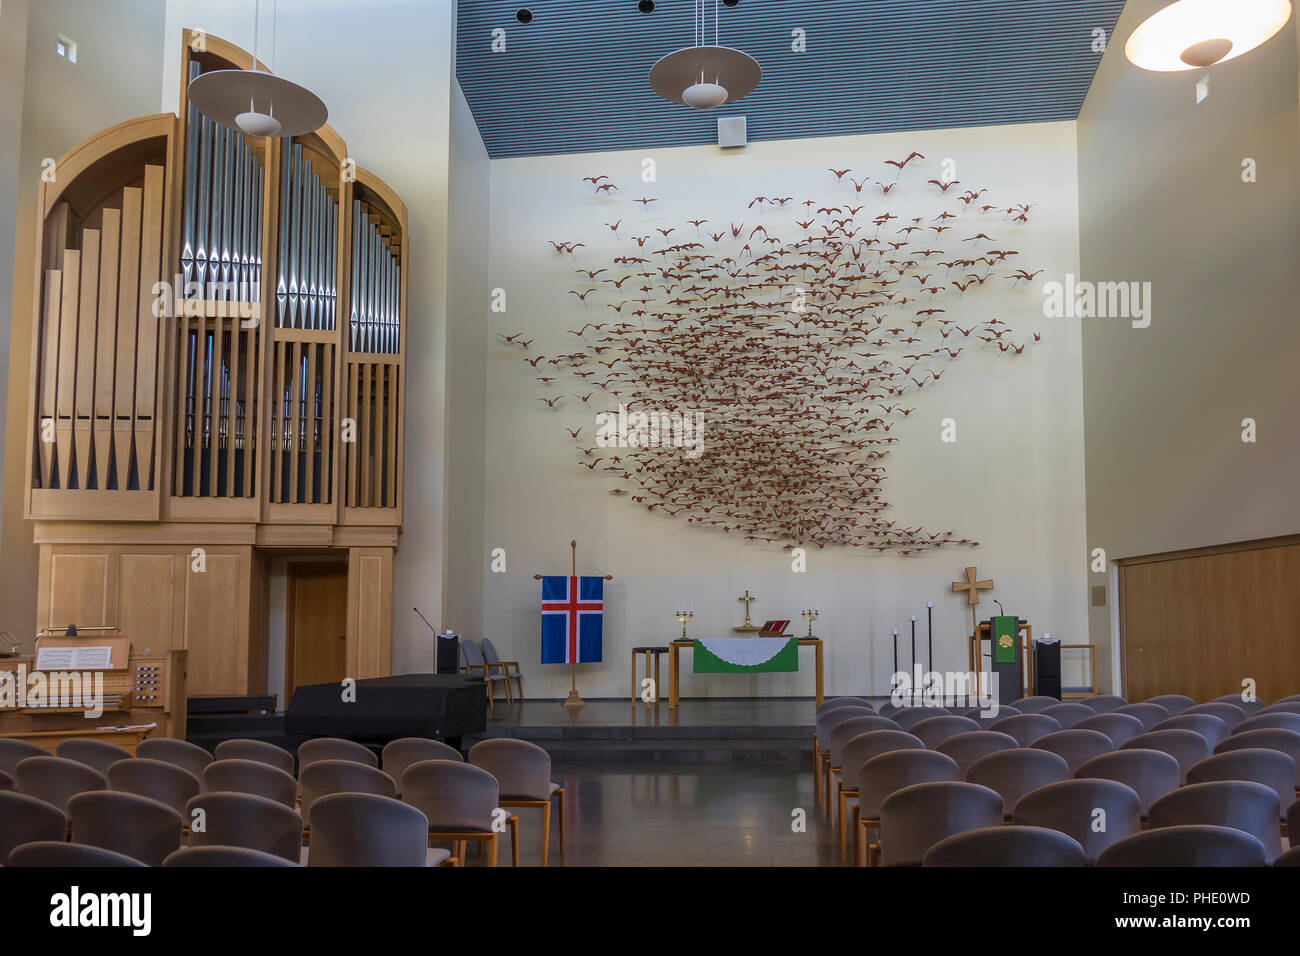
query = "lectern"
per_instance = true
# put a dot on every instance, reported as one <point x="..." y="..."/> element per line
<point x="1010" y="640"/>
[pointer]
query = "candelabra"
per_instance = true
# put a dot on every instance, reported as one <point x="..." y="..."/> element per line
<point x="810" y="615"/>
<point x="682" y="618"/>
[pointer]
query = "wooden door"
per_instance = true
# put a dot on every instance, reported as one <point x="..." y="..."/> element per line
<point x="1202" y="622"/>
<point x="316" y="624"/>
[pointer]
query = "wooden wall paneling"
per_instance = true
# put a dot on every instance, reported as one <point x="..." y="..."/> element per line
<point x="81" y="589"/>
<point x="85" y="352"/>
<point x="259" y="622"/>
<point x="148" y="598"/>
<point x="105" y="343"/>
<point x="370" y="612"/>
<point x="128" y="321"/>
<point x="217" y="622"/>
<point x="151" y="246"/>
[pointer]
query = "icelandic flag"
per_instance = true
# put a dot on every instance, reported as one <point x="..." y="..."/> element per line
<point x="571" y="619"/>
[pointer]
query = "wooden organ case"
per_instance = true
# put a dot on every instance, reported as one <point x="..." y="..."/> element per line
<point x="140" y="693"/>
<point x="216" y="379"/>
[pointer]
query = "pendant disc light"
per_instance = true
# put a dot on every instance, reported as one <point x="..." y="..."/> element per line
<point x="1194" y="34"/>
<point x="705" y="77"/>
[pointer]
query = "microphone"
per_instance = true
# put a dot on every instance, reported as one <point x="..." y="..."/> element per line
<point x="426" y="621"/>
<point x="1000" y="607"/>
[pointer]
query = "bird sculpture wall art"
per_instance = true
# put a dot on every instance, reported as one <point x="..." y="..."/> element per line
<point x="798" y="330"/>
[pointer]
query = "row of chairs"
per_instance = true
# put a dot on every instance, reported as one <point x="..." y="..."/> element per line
<point x="482" y="659"/>
<point x="1158" y="751"/>
<point x="178" y="783"/>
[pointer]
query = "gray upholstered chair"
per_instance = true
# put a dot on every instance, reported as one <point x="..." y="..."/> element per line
<point x="1026" y="728"/>
<point x="1067" y="715"/>
<point x="6" y="781"/>
<point x="320" y="778"/>
<point x="1014" y="773"/>
<point x="915" y="818"/>
<point x="840" y="734"/>
<point x="365" y="829"/>
<point x="1289" y="698"/>
<point x="1174" y="703"/>
<point x="1214" y="729"/>
<point x="223" y="856"/>
<point x="1281" y="707"/>
<point x="1240" y="804"/>
<point x="909" y="717"/>
<point x="401" y="753"/>
<point x="13" y="750"/>
<point x="459" y="801"/>
<point x="986" y="720"/>
<point x="1094" y="812"/>
<point x="1103" y="703"/>
<point x="334" y="748"/>
<point x="26" y="819"/>
<point x="938" y="729"/>
<point x="856" y="753"/>
<point x="827" y="721"/>
<point x="1270" y="738"/>
<point x="164" y="782"/>
<point x="1076" y="746"/>
<point x="245" y="820"/>
<point x="244" y="749"/>
<point x="55" y="779"/>
<point x="178" y="753"/>
<point x="1293" y="821"/>
<point x="1183" y="846"/>
<point x="1006" y="846"/>
<point x="1150" y="772"/>
<point x="138" y="827"/>
<point x="472" y="663"/>
<point x="502" y="670"/>
<point x="1148" y="713"/>
<point x="1120" y="728"/>
<point x="1269" y="767"/>
<point x="1186" y="746"/>
<point x="99" y="754"/>
<point x="61" y="855"/>
<point x="1275" y="720"/>
<point x="1248" y="707"/>
<point x="251" y="776"/>
<point x="883" y="775"/>
<point x="1290" y="858"/>
<point x="523" y="772"/>
<point x="831" y="703"/>
<point x="1035" y="704"/>
<point x="966" y="748"/>
<point x="1230" y="714"/>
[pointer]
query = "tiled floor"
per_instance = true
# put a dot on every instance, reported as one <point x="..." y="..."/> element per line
<point x="701" y="815"/>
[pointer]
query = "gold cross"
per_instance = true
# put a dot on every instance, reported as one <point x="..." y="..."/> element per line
<point x="972" y="587"/>
<point x="747" y="598"/>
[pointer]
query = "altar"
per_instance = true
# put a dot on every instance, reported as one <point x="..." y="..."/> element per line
<point x="741" y="654"/>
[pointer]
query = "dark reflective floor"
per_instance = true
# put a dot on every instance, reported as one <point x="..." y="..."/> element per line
<point x="701" y="815"/>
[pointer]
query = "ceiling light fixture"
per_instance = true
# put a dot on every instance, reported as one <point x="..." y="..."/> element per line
<point x="1194" y="34"/>
<point x="705" y="77"/>
<point x="254" y="102"/>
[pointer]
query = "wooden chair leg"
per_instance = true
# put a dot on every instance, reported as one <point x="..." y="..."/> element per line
<point x="860" y="843"/>
<point x="512" y="823"/>
<point x="656" y="697"/>
<point x="560" y="793"/>
<point x="632" y="680"/>
<point x="491" y="849"/>
<point x="856" y="841"/>
<point x="510" y="695"/>
<point x="841" y="810"/>
<point x="546" y="832"/>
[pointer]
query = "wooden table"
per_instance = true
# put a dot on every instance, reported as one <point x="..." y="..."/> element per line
<point x="674" y="660"/>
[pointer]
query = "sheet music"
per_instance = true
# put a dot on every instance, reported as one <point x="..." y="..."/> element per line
<point x="85" y="658"/>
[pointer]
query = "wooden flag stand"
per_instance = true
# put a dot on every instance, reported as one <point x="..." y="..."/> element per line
<point x="573" y="701"/>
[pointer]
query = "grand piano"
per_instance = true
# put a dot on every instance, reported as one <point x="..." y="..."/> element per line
<point x="446" y="706"/>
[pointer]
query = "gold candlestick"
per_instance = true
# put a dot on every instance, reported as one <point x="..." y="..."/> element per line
<point x="682" y="618"/>
<point x="810" y="615"/>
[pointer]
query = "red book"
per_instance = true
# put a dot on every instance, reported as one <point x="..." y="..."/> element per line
<point x="774" y="629"/>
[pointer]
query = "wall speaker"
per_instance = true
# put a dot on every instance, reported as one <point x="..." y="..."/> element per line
<point x="731" y="131"/>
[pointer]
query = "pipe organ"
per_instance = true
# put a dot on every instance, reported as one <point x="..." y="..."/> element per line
<point x="216" y="379"/>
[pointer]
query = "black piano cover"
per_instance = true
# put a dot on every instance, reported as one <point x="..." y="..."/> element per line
<point x="406" y="705"/>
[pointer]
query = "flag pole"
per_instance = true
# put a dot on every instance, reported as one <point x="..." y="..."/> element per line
<point x="574" y="701"/>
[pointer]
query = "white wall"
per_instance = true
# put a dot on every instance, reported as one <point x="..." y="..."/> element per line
<point x="1013" y="480"/>
<point x="384" y="70"/>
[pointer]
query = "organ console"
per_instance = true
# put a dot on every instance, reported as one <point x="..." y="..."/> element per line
<point x="216" y="378"/>
<point x="98" y="686"/>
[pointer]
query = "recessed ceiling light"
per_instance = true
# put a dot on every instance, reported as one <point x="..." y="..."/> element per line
<point x="524" y="15"/>
<point x="731" y="3"/>
<point x="646" y="6"/>
<point x="1194" y="34"/>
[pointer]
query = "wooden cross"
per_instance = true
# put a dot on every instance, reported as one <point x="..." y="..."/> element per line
<point x="747" y="598"/>
<point x="972" y="587"/>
